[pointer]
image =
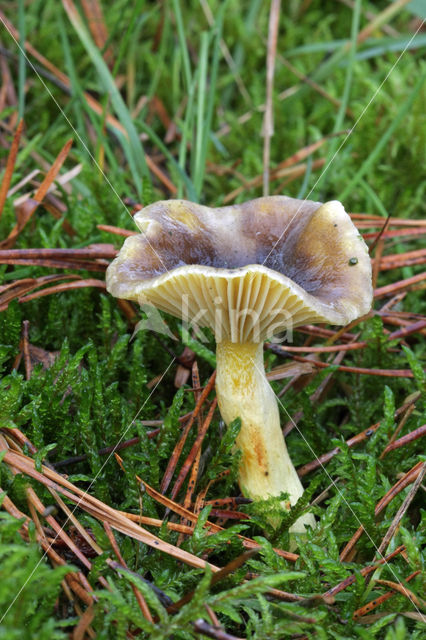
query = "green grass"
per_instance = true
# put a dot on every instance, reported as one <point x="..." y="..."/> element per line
<point x="89" y="397"/>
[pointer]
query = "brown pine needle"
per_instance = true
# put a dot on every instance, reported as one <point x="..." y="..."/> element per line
<point x="168" y="474"/>
<point x="401" y="511"/>
<point x="228" y="514"/>
<point x="400" y="285"/>
<point x="98" y="509"/>
<point x="379" y="239"/>
<point x="365" y="571"/>
<point x="27" y="208"/>
<point x="389" y="373"/>
<point x="156" y="522"/>
<point x="398" y="233"/>
<point x="370" y="606"/>
<point x="410" y="437"/>
<point x="118" y="231"/>
<point x="359" y="437"/>
<point x="403" y="482"/>
<point x="194" y="450"/>
<point x="404" y="592"/>
<point x="19" y="287"/>
<point x="96" y="106"/>
<point x="192" y="517"/>
<point x="195" y="467"/>
<point x="139" y="597"/>
<point x="366" y="220"/>
<point x="53" y="172"/>
<point x="83" y="625"/>
<point x="97" y="26"/>
<point x="10" y="164"/>
<point x="326" y="349"/>
<point x="105" y="251"/>
<point x="57" y="264"/>
<point x="78" y="284"/>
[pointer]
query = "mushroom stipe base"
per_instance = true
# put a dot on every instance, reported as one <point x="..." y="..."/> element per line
<point x="244" y="392"/>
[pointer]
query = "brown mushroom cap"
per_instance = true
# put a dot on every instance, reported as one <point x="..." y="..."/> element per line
<point x="246" y="271"/>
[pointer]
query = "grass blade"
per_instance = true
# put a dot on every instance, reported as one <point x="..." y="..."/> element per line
<point x="132" y="145"/>
<point x="374" y="155"/>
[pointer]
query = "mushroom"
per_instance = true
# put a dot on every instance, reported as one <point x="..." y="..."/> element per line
<point x="247" y="272"/>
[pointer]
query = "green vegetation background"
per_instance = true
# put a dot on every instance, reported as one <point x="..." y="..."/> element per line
<point x="89" y="398"/>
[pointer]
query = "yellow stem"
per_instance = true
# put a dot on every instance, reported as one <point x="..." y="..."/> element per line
<point x="243" y="391"/>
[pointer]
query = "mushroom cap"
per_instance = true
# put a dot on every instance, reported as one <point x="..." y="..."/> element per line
<point x="246" y="271"/>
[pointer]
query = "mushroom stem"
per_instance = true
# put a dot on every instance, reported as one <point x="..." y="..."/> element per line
<point x="243" y="391"/>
